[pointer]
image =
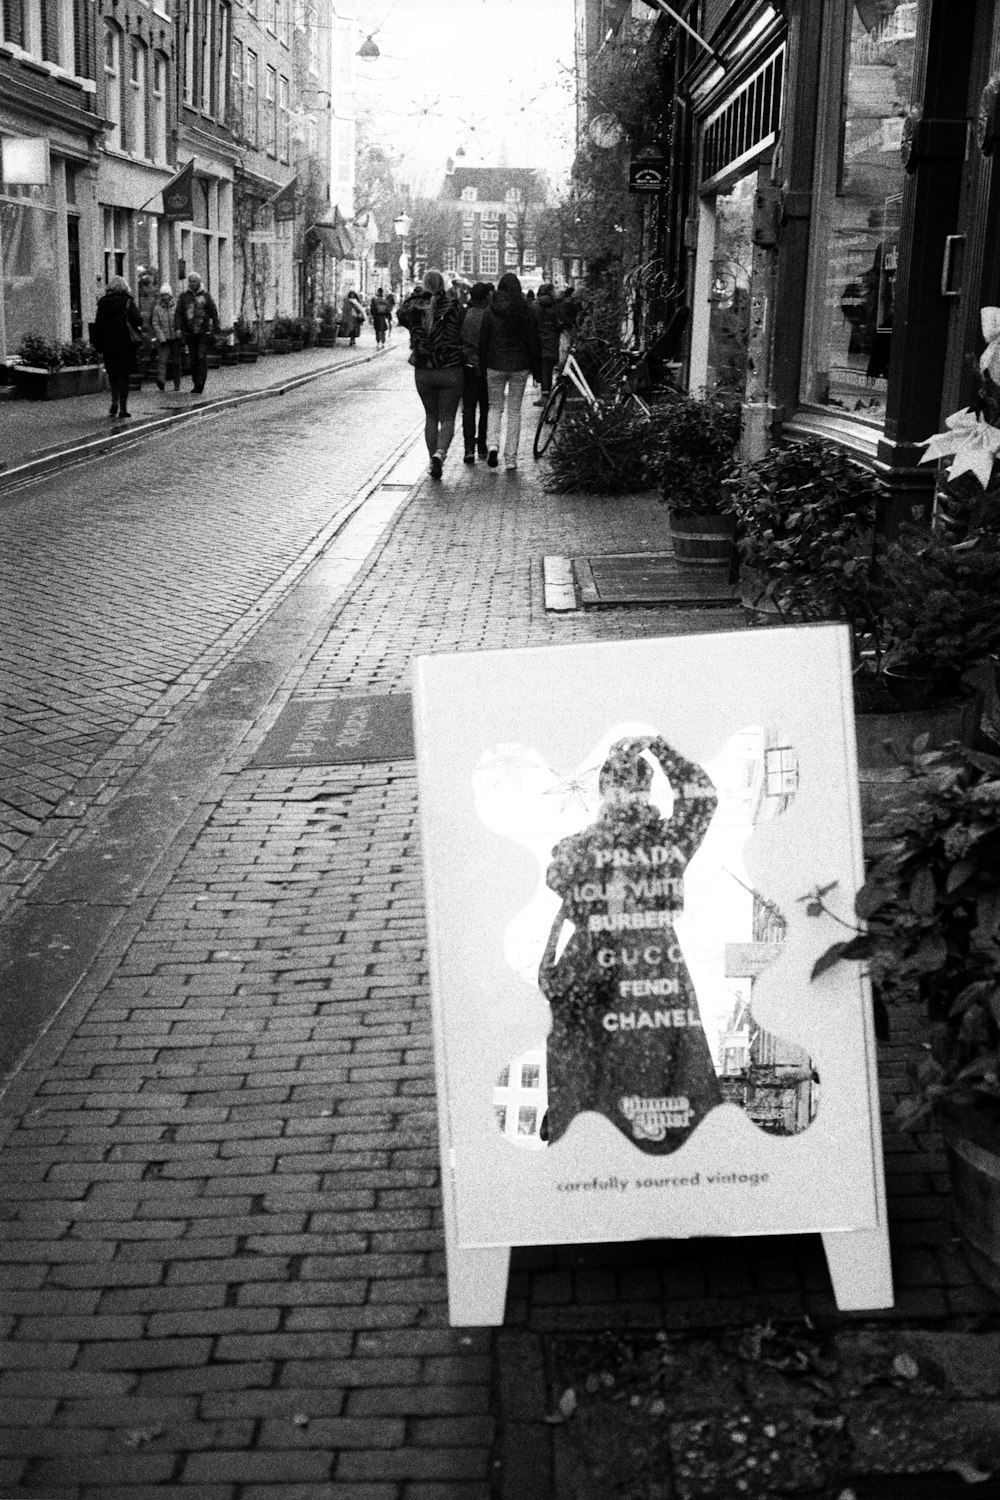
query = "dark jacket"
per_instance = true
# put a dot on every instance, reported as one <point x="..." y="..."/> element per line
<point x="471" y="329"/>
<point x="544" y="308"/>
<point x="196" y="313"/>
<point x="116" y="311"/>
<point x="509" y="338"/>
<point x="379" y="310"/>
<point x="439" y="348"/>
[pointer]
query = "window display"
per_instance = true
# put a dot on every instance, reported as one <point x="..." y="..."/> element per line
<point x="858" y="203"/>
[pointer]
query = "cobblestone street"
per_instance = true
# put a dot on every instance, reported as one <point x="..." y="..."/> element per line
<point x="223" y="1269"/>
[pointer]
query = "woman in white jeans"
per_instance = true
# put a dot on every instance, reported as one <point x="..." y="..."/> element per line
<point x="510" y="350"/>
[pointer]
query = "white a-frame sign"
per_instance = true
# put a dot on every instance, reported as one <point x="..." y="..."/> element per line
<point x="628" y="1043"/>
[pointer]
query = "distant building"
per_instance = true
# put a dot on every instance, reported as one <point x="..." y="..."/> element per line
<point x="495" y="227"/>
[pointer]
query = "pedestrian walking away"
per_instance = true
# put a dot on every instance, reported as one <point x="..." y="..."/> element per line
<point x="434" y="320"/>
<point x="510" y="350"/>
<point x="352" y="315"/>
<point x="544" y="309"/>
<point x="475" y="398"/>
<point x="118" y="336"/>
<point x="380" y="317"/>
<point x="390" y="305"/>
<point x="163" y="322"/>
<point x="197" y="318"/>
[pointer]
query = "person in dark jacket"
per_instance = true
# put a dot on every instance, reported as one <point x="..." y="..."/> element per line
<point x="116" y="314"/>
<point x="544" y="308"/>
<point x="510" y="350"/>
<point x="197" y="317"/>
<point x="434" y="320"/>
<point x="379" y="312"/>
<point x="474" y="393"/>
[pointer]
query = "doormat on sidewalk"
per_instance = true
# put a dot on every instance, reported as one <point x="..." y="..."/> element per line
<point x="649" y="578"/>
<point x="339" y="731"/>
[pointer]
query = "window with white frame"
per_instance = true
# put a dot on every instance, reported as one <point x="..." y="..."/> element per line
<point x="467" y="262"/>
<point x="530" y="255"/>
<point x="158" y="110"/>
<point x="250" y="97"/>
<point x="450" y="260"/>
<point x="13" y="23"/>
<point x="57" y="32"/>
<point x="271" y="111"/>
<point x="510" y="256"/>
<point x="189" y="52"/>
<point x="489" y="236"/>
<point x="221" y="100"/>
<point x="236" y="85"/>
<point x="468" y="195"/>
<point x="284" y="123"/>
<point x="112" y="67"/>
<point x="138" y="65"/>
<point x="265" y="12"/>
<point x="488" y="258"/>
<point x="491" y="216"/>
<point x="205" y="80"/>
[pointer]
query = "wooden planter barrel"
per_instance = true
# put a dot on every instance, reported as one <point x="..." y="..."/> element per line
<point x="703" y="541"/>
<point x="974" y="1162"/>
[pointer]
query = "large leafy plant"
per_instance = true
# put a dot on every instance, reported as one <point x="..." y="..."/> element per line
<point x="698" y="436"/>
<point x="804" y="519"/>
<point x="931" y="905"/>
<point x="39" y="352"/>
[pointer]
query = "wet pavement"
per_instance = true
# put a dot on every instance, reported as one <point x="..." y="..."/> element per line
<point x="222" y="1267"/>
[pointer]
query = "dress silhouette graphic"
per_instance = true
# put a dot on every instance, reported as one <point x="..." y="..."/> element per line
<point x="627" y="1038"/>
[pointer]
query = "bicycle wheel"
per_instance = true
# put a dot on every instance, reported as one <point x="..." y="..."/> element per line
<point x="548" y="421"/>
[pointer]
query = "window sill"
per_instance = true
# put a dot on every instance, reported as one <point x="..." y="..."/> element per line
<point x="861" y="438"/>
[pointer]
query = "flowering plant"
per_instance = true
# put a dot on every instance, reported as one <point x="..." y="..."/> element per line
<point x="971" y="438"/>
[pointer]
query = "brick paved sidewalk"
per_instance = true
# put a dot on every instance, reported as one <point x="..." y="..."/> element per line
<point x="43" y="433"/>
<point x="224" y="1271"/>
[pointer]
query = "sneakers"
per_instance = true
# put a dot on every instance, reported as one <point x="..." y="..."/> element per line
<point x="470" y="457"/>
<point x="481" y="450"/>
<point x="113" y="412"/>
<point x="436" y="466"/>
<point x="493" y="459"/>
<point x="510" y="463"/>
<point x="540" y="402"/>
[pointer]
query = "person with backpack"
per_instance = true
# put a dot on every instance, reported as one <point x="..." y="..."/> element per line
<point x="380" y="317"/>
<point x="544" y="309"/>
<point x="510" y="349"/>
<point x="474" y="394"/>
<point x="197" y="317"/>
<point x="434" y="320"/>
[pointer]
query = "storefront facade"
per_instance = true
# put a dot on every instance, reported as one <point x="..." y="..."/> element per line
<point x="48" y="213"/>
<point x="842" y="222"/>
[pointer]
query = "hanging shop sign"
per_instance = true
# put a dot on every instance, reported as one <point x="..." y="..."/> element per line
<point x="647" y="171"/>
<point x="24" y="161"/>
<point x="628" y="1041"/>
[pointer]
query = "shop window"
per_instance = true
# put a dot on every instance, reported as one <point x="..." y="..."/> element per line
<point x="729" y="294"/>
<point x="28" y="266"/>
<point x="858" y="198"/>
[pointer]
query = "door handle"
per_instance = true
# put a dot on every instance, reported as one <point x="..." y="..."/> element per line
<point x="954" y="244"/>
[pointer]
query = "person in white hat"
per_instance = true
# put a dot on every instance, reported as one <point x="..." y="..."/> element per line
<point x="168" y="344"/>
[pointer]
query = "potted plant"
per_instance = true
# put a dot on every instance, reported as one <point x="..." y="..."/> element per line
<point x="48" y="370"/>
<point x="296" y="335"/>
<point x="805" y="516"/>
<point x="281" y="338"/>
<point x="246" y="341"/>
<point x="699" y="436"/>
<point x="930" y="906"/>
<point x="327" y="336"/>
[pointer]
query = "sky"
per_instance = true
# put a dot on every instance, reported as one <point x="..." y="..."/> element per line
<point x="483" y="76"/>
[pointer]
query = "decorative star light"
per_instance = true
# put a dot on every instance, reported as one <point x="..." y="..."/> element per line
<point x="974" y="443"/>
<point x="507" y="763"/>
<point x="576" y="791"/>
<point x="989" y="360"/>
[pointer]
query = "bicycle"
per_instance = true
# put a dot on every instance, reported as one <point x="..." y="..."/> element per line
<point x="624" y="373"/>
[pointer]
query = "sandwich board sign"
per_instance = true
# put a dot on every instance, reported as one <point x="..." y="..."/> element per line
<point x="618" y="839"/>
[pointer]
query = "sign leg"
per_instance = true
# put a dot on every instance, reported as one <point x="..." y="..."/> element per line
<point x="477" y="1285"/>
<point x="860" y="1268"/>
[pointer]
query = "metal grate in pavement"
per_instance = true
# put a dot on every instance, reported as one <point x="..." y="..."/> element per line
<point x="339" y="731"/>
<point x="649" y="578"/>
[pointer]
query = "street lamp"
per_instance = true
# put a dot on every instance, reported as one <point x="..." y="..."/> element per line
<point x="401" y="224"/>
